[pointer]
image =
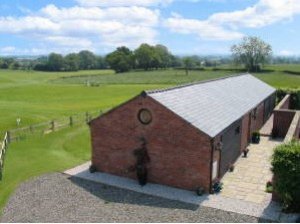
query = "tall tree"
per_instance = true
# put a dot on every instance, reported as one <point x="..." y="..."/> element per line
<point x="55" y="62"/>
<point x="6" y="62"/>
<point x="101" y="63"/>
<point x="72" y="62"/>
<point x="87" y="60"/>
<point x="164" y="55"/>
<point x="146" y="57"/>
<point x="188" y="63"/>
<point x="251" y="52"/>
<point x="121" y="60"/>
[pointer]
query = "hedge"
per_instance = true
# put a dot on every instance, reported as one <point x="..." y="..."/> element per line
<point x="295" y="97"/>
<point x="286" y="169"/>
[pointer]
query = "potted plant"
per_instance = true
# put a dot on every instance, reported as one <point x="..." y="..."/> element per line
<point x="269" y="186"/>
<point x="245" y="152"/>
<point x="217" y="187"/>
<point x="255" y="137"/>
<point x="231" y="167"/>
<point x="92" y="169"/>
<point x="200" y="191"/>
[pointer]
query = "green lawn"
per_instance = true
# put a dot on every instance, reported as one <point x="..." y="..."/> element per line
<point x="276" y="78"/>
<point x="41" y="96"/>
<point x="34" y="98"/>
<point x="169" y="76"/>
<point x="37" y="155"/>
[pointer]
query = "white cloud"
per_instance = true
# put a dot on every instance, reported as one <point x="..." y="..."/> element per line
<point x="70" y="41"/>
<point x="224" y="26"/>
<point x="40" y="49"/>
<point x="113" y="3"/>
<point x="264" y="13"/>
<point x="7" y="50"/>
<point x="203" y="29"/>
<point x="86" y="27"/>
<point x="286" y="53"/>
<point x="27" y="24"/>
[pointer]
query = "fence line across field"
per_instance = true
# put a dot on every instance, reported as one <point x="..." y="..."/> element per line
<point x="53" y="125"/>
<point x="44" y="128"/>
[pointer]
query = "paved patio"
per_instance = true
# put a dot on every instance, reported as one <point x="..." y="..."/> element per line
<point x="266" y="130"/>
<point x="268" y="210"/>
<point x="248" y="180"/>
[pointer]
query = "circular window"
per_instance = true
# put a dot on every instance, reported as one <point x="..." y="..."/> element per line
<point x="145" y="116"/>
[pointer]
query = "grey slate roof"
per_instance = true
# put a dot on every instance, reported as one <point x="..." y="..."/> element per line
<point x="213" y="105"/>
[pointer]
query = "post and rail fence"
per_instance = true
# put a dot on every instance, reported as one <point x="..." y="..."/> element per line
<point x="44" y="128"/>
<point x="53" y="125"/>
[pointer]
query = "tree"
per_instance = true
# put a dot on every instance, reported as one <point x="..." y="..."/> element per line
<point x="188" y="63"/>
<point x="251" y="52"/>
<point x="72" y="62"/>
<point x="15" y="65"/>
<point x="121" y="60"/>
<point x="175" y="61"/>
<point x="164" y="55"/>
<point x="101" y="63"/>
<point x="87" y="60"/>
<point x="146" y="57"/>
<point x="6" y="63"/>
<point x="55" y="62"/>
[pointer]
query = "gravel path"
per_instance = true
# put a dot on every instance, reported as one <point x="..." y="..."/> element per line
<point x="58" y="198"/>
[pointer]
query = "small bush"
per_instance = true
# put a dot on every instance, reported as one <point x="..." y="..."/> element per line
<point x="286" y="169"/>
<point x="295" y="97"/>
<point x="256" y="137"/>
<point x="269" y="187"/>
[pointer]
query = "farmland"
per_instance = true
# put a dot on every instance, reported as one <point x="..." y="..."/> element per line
<point x="40" y="96"/>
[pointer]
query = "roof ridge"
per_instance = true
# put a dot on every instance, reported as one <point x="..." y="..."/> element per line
<point x="192" y="83"/>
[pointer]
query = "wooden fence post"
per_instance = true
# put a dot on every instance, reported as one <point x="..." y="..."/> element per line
<point x="8" y="138"/>
<point x="86" y="117"/>
<point x="71" y="121"/>
<point x="52" y="125"/>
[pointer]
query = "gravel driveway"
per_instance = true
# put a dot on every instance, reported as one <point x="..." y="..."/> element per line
<point x="58" y="198"/>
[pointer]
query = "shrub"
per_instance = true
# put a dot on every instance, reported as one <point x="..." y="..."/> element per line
<point x="256" y="137"/>
<point x="295" y="97"/>
<point x="286" y="169"/>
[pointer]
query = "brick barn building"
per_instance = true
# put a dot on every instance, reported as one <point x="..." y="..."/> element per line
<point x="185" y="136"/>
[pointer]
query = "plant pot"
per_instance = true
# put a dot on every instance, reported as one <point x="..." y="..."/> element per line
<point x="200" y="191"/>
<point x="245" y="152"/>
<point x="92" y="169"/>
<point x="255" y="139"/>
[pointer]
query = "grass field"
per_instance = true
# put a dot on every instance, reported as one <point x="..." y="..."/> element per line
<point x="41" y="96"/>
<point x="38" y="155"/>
<point x="277" y="78"/>
<point x="34" y="98"/>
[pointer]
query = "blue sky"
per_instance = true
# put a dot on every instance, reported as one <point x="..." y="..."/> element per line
<point x="31" y="27"/>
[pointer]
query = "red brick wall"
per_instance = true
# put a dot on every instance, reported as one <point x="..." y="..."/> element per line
<point x="297" y="132"/>
<point x="282" y="122"/>
<point x="284" y="103"/>
<point x="180" y="155"/>
<point x="258" y="122"/>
